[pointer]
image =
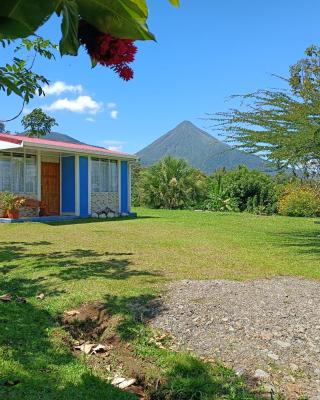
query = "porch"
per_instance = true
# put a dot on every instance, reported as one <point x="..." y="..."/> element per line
<point x="67" y="185"/>
<point x="52" y="218"/>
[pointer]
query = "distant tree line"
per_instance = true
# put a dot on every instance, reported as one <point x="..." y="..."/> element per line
<point x="173" y="184"/>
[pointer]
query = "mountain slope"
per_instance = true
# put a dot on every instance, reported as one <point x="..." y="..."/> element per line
<point x="59" y="137"/>
<point x="200" y="149"/>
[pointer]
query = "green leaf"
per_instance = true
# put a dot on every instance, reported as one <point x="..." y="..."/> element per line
<point x="94" y="62"/>
<point x="69" y="43"/>
<point x="120" y="18"/>
<point x="5" y="82"/>
<point x="142" y="6"/>
<point x="21" y="18"/>
<point x="175" y="2"/>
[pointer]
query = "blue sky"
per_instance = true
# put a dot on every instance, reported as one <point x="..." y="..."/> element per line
<point x="206" y="51"/>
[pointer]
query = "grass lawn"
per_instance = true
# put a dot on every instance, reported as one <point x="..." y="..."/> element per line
<point x="119" y="262"/>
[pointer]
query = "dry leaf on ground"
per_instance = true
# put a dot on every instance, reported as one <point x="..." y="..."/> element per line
<point x="91" y="348"/>
<point x="85" y="347"/>
<point x="123" y="383"/>
<point x="72" y="313"/>
<point x="117" y="381"/>
<point x="99" y="348"/>
<point x="126" y="383"/>
<point x="6" y="297"/>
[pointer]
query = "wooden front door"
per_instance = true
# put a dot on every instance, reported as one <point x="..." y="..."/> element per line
<point x="50" y="187"/>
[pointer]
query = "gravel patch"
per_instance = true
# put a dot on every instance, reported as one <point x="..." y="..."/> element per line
<point x="266" y="329"/>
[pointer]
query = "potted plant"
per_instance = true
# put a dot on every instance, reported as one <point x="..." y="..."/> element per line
<point x="11" y="204"/>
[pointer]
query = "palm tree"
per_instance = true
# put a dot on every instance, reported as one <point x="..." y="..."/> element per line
<point x="171" y="183"/>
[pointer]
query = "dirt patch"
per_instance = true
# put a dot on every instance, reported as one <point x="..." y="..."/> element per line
<point x="91" y="323"/>
<point x="87" y="322"/>
<point x="265" y="329"/>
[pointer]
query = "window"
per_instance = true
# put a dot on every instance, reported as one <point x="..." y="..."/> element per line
<point x="5" y="173"/>
<point x="113" y="176"/>
<point x="18" y="173"/>
<point x="30" y="174"/>
<point x="104" y="175"/>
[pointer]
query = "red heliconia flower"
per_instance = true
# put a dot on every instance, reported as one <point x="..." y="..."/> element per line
<point x="108" y="50"/>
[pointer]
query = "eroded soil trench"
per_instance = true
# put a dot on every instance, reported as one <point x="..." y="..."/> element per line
<point x="94" y="332"/>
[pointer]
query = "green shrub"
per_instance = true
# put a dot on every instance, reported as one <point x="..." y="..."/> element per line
<point x="173" y="184"/>
<point x="299" y="201"/>
<point x="217" y="199"/>
<point x="246" y="190"/>
<point x="10" y="201"/>
<point x="136" y="173"/>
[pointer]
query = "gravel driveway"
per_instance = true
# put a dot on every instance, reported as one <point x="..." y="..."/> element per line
<point x="268" y="329"/>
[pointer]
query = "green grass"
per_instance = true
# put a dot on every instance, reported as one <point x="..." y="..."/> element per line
<point x="120" y="262"/>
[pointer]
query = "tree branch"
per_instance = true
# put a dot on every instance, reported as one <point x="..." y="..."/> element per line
<point x="16" y="116"/>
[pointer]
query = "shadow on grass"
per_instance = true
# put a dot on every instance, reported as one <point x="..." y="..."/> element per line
<point x="34" y="362"/>
<point x="72" y="264"/>
<point x="135" y="311"/>
<point x="34" y="350"/>
<point x="305" y="242"/>
<point x="11" y="251"/>
<point x="190" y="378"/>
<point x="95" y="220"/>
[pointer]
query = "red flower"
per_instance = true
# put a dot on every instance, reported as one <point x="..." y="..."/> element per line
<point x="108" y="50"/>
<point x="126" y="73"/>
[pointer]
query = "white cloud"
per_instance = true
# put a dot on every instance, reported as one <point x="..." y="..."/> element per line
<point x="114" y="145"/>
<point x="82" y="104"/>
<point x="89" y="119"/>
<point x="115" y="148"/>
<point x="59" y="87"/>
<point x="114" y="114"/>
<point x="111" y="105"/>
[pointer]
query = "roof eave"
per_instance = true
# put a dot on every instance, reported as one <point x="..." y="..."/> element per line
<point x="78" y="151"/>
<point x="5" y="145"/>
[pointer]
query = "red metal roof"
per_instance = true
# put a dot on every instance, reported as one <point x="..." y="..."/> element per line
<point x="19" y="139"/>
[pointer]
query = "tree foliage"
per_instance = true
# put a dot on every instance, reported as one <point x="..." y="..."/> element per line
<point x="19" y="77"/>
<point x="120" y="18"/>
<point x="242" y="189"/>
<point x="38" y="123"/>
<point x="136" y="173"/>
<point x="217" y="198"/>
<point x="281" y="125"/>
<point x="172" y="183"/>
<point x="301" y="200"/>
<point x="19" y="19"/>
<point x="305" y="75"/>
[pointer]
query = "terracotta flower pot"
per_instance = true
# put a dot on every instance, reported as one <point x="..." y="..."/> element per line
<point x="13" y="214"/>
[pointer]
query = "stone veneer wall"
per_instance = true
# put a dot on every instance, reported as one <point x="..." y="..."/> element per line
<point x="104" y="199"/>
<point x="25" y="211"/>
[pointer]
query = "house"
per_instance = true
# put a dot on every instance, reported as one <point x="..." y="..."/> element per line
<point x="69" y="178"/>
